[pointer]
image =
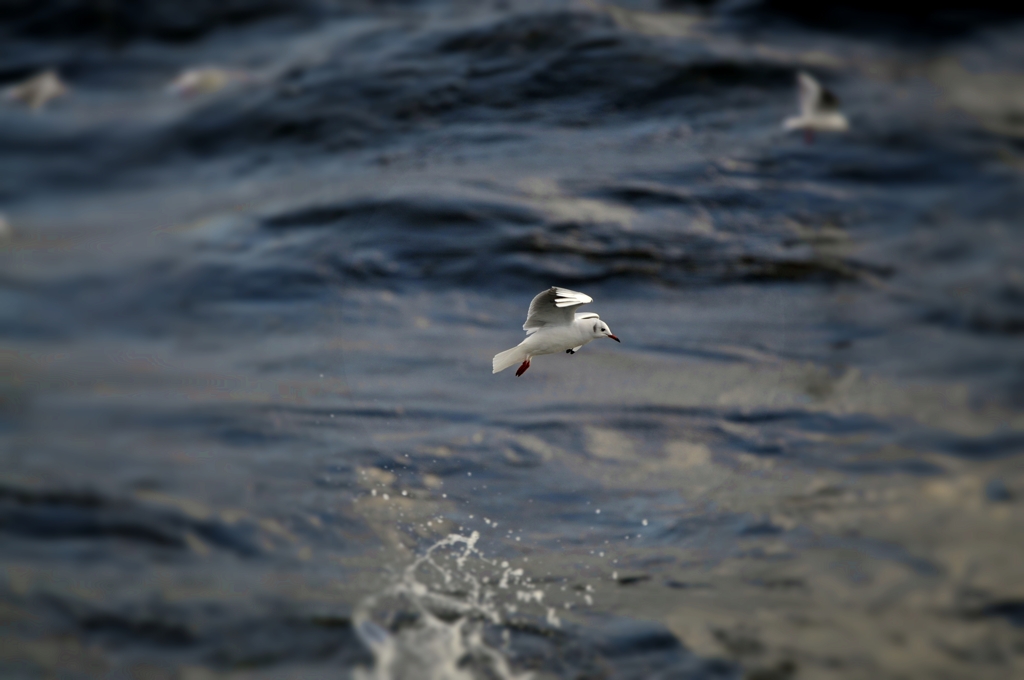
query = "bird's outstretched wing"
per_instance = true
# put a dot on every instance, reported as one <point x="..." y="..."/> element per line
<point x="553" y="307"/>
<point x="808" y="94"/>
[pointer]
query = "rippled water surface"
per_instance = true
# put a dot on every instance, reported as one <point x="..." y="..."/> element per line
<point x="248" y="426"/>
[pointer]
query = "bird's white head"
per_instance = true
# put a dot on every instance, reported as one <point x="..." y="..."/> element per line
<point x="600" y="330"/>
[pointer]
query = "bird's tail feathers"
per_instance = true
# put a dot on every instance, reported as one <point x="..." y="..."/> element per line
<point x="509" y="357"/>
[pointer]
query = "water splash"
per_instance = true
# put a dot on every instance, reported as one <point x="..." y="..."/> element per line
<point x="442" y="619"/>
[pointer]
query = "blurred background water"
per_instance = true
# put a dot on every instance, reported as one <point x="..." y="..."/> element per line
<point x="247" y="326"/>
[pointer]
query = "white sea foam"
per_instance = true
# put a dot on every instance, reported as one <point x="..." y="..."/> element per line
<point x="433" y="622"/>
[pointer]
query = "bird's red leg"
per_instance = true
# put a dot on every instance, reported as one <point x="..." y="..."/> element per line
<point x="808" y="136"/>
<point x="523" y="367"/>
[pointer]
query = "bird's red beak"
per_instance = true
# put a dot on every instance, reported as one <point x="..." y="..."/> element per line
<point x="614" y="338"/>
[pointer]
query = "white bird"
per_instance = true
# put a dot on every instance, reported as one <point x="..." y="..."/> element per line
<point x="819" y="109"/>
<point x="551" y="327"/>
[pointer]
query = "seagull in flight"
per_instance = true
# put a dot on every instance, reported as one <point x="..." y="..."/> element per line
<point x="819" y="109"/>
<point x="552" y="326"/>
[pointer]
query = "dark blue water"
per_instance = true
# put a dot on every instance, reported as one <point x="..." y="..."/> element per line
<point x="246" y="338"/>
